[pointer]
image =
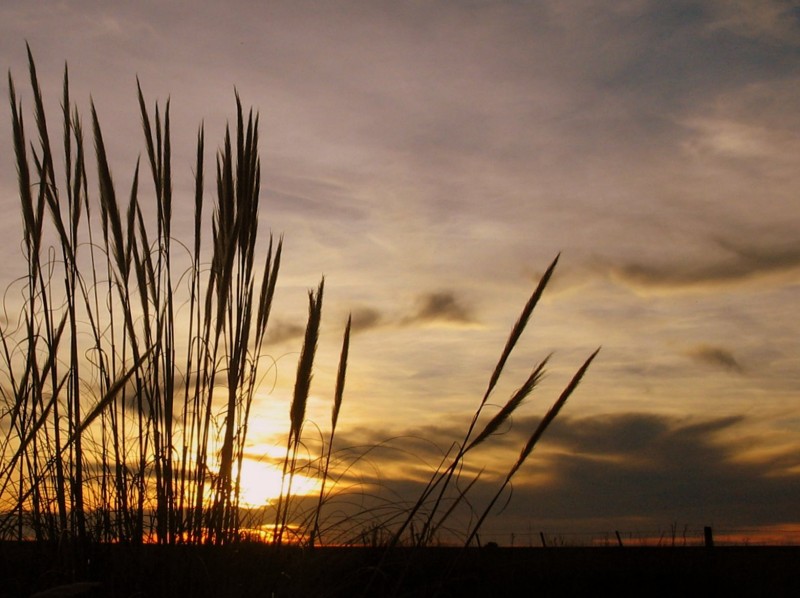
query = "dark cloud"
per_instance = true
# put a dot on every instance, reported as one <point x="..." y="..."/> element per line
<point x="716" y="357"/>
<point x="366" y="318"/>
<point x="440" y="306"/>
<point x="613" y="470"/>
<point x="660" y="469"/>
<point x="279" y="331"/>
<point x="431" y="307"/>
<point x="742" y="263"/>
<point x="643" y="437"/>
<point x="413" y="445"/>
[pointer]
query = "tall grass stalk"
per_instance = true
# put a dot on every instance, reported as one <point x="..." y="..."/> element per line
<point x="297" y="412"/>
<point x="337" y="405"/>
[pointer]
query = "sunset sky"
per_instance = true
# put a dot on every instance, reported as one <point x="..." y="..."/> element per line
<point x="431" y="158"/>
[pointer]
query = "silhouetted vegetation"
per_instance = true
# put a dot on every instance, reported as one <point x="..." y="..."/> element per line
<point x="130" y="359"/>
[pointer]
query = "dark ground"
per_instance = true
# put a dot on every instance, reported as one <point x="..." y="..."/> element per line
<point x="259" y="570"/>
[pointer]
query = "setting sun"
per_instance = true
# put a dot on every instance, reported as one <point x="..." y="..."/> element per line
<point x="261" y="484"/>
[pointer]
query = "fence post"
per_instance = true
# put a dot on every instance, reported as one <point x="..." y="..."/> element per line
<point x="619" y="538"/>
<point x="709" y="537"/>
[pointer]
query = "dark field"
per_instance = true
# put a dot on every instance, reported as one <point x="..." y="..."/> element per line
<point x="258" y="570"/>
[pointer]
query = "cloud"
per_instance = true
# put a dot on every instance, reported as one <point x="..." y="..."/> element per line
<point x="366" y="318"/>
<point x="424" y="443"/>
<point x="647" y="436"/>
<point x="716" y="357"/>
<point x="663" y="469"/>
<point x="434" y="307"/>
<point x="440" y="306"/>
<point x="640" y="469"/>
<point x="767" y="20"/>
<point x="280" y="331"/>
<point x="741" y="263"/>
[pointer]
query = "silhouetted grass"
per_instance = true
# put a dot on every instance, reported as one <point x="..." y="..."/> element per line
<point x="96" y="360"/>
<point x="125" y="421"/>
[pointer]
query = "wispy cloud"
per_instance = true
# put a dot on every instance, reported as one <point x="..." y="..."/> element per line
<point x="769" y="20"/>
<point x="718" y="357"/>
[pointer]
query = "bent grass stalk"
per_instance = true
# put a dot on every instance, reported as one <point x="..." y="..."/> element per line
<point x="443" y="477"/>
<point x="533" y="440"/>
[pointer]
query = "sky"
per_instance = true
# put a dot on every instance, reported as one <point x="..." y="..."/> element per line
<point x="431" y="158"/>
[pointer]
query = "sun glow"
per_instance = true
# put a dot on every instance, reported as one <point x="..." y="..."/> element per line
<point x="261" y="484"/>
